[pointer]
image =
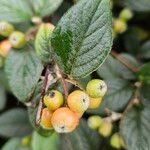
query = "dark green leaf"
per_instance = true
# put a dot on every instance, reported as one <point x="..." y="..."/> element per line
<point x="23" y="69"/>
<point x="45" y="143"/>
<point x="145" y="50"/>
<point x="45" y="7"/>
<point x="2" y="98"/>
<point x="135" y="128"/>
<point x="15" y="10"/>
<point x="14" y="123"/>
<point x="82" y="39"/>
<point x="43" y="43"/>
<point x="15" y="144"/>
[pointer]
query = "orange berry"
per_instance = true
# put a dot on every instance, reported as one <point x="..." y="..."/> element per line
<point x="78" y="101"/>
<point x="5" y="47"/>
<point x="46" y="118"/>
<point x="95" y="102"/>
<point x="64" y="120"/>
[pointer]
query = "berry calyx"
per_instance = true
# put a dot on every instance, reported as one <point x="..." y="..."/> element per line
<point x="105" y="128"/>
<point x="4" y="47"/>
<point x="126" y="14"/>
<point x="6" y="28"/>
<point x="53" y="100"/>
<point x="94" y="121"/>
<point x="95" y="102"/>
<point x="46" y="119"/>
<point x="96" y="88"/>
<point x="17" y="39"/>
<point x="78" y="101"/>
<point x="64" y="120"/>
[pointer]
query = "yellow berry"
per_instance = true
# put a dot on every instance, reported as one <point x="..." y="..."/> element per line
<point x="64" y="120"/>
<point x="94" y="122"/>
<point x="78" y="101"/>
<point x="95" y="102"/>
<point x="126" y="14"/>
<point x="53" y="100"/>
<point x="115" y="141"/>
<point x="26" y="141"/>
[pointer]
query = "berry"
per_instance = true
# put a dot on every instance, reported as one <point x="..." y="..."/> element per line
<point x="96" y="88"/>
<point x="53" y="100"/>
<point x="126" y="14"/>
<point x="17" y="39"/>
<point x="6" y="28"/>
<point x="105" y="128"/>
<point x="78" y="101"/>
<point x="64" y="120"/>
<point x="46" y="118"/>
<point x="4" y="47"/>
<point x="95" y="102"/>
<point x="94" y="122"/>
<point x="26" y="141"/>
<point x="119" y="26"/>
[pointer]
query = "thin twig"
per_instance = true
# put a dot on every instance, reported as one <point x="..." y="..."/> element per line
<point x="124" y="61"/>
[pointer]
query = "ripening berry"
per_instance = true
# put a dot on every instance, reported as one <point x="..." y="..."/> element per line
<point x="46" y="118"/>
<point x="64" y="120"/>
<point x="4" y="47"/>
<point x="105" y="128"/>
<point x="94" y="122"/>
<point x="6" y="28"/>
<point x="78" y="101"/>
<point x="53" y="100"/>
<point x="119" y="26"/>
<point x="126" y="14"/>
<point x="95" y="102"/>
<point x="96" y="88"/>
<point x="17" y="39"/>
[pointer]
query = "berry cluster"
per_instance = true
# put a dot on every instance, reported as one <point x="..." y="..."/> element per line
<point x="63" y="115"/>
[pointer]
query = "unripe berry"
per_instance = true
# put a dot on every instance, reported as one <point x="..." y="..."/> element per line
<point x="6" y="28"/>
<point x="95" y="102"/>
<point x="94" y="121"/>
<point x="46" y="118"/>
<point x="78" y="101"/>
<point x="119" y="26"/>
<point x="126" y="14"/>
<point x="17" y="39"/>
<point x="96" y="88"/>
<point x="64" y="120"/>
<point x="26" y="141"/>
<point x="105" y="128"/>
<point x="53" y="100"/>
<point x="4" y="47"/>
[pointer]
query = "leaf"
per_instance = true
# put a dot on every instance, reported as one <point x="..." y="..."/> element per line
<point x="135" y="128"/>
<point x="45" y="143"/>
<point x="145" y="50"/>
<point x="15" y="10"/>
<point x="14" y="144"/>
<point x="14" y="123"/>
<point x="118" y="95"/>
<point x="45" y="7"/>
<point x="2" y="98"/>
<point x="82" y="138"/>
<point x="82" y="39"/>
<point x="32" y="111"/>
<point x="43" y="43"/>
<point x="23" y="69"/>
<point x="139" y="6"/>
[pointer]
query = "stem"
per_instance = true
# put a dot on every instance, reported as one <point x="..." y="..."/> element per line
<point x="124" y="61"/>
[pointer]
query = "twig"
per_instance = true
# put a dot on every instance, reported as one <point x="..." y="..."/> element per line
<point x="124" y="61"/>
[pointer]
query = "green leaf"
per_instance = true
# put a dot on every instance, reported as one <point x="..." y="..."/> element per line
<point x="23" y="69"/>
<point x="82" y="138"/>
<point x="82" y="39"/>
<point x="14" y="144"/>
<point x="138" y="6"/>
<point x="45" y="143"/>
<point x="2" y="98"/>
<point x="14" y="123"/>
<point x="15" y="10"/>
<point x="32" y="111"/>
<point x="135" y="128"/>
<point x="43" y="43"/>
<point x="45" y="7"/>
<point x="118" y="95"/>
<point x="145" y="50"/>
